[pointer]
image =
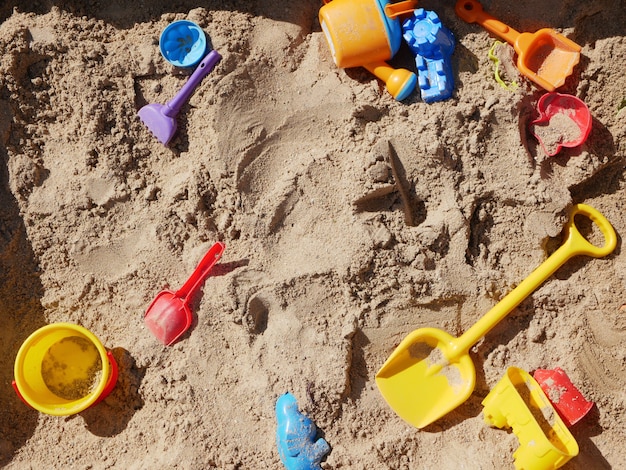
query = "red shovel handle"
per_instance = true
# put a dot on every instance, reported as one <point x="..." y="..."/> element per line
<point x="201" y="272"/>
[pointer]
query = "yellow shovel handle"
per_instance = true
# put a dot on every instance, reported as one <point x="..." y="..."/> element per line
<point x="579" y="245"/>
<point x="574" y="244"/>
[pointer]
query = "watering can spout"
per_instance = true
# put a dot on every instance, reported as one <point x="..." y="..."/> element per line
<point x="400" y="83"/>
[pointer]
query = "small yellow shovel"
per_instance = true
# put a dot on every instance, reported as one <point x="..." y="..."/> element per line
<point x="430" y="373"/>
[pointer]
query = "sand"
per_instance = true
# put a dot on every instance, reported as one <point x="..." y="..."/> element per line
<point x="331" y="257"/>
<point x="558" y="130"/>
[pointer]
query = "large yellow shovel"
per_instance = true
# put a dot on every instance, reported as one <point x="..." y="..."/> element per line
<point x="430" y="373"/>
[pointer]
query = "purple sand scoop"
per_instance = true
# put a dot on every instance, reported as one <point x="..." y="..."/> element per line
<point x="161" y="119"/>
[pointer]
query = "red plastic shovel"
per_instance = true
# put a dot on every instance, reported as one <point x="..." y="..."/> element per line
<point x="169" y="315"/>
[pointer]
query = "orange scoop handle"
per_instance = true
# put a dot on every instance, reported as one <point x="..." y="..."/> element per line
<point x="472" y="11"/>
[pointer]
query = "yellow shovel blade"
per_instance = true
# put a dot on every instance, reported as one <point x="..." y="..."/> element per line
<point x="420" y="383"/>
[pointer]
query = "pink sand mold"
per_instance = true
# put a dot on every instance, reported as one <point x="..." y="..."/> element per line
<point x="553" y="104"/>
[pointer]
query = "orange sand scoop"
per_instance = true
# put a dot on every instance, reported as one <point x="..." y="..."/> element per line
<point x="545" y="57"/>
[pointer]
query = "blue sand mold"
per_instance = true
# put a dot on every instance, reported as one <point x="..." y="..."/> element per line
<point x="183" y="43"/>
<point x="433" y="45"/>
<point x="295" y="437"/>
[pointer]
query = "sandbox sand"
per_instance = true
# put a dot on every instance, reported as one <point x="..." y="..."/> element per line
<point x="332" y="256"/>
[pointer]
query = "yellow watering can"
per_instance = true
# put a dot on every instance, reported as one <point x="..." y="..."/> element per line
<point x="367" y="33"/>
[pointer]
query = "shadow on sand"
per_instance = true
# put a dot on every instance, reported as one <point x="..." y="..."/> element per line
<point x="21" y="313"/>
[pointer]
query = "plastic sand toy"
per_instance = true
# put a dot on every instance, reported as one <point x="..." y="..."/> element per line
<point x="62" y="369"/>
<point x="169" y="315"/>
<point x="518" y="402"/>
<point x="295" y="437"/>
<point x="545" y="56"/>
<point x="433" y="45"/>
<point x="431" y="372"/>
<point x="183" y="43"/>
<point x="571" y="405"/>
<point x="564" y="121"/>
<point x="160" y="119"/>
<point x="367" y="33"/>
<point x="493" y="57"/>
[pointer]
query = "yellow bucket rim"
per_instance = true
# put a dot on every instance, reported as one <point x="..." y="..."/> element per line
<point x="71" y="406"/>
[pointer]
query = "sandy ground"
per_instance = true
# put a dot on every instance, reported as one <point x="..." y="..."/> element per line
<point x="335" y="250"/>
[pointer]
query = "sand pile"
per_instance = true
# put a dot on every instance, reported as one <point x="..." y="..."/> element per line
<point x="335" y="249"/>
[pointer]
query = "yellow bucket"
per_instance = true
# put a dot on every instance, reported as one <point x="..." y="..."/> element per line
<point x="62" y="369"/>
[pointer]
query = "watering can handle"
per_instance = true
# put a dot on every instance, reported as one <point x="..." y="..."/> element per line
<point x="574" y="244"/>
<point x="394" y="10"/>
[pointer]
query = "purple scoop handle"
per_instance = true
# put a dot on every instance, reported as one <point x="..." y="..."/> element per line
<point x="204" y="67"/>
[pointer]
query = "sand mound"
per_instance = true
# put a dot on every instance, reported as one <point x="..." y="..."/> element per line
<point x="335" y="248"/>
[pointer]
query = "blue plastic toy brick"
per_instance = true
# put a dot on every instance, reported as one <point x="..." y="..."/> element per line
<point x="433" y="45"/>
<point x="295" y="437"/>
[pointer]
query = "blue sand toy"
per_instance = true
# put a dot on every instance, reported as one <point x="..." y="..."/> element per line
<point x="295" y="437"/>
<point x="183" y="43"/>
<point x="433" y="45"/>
